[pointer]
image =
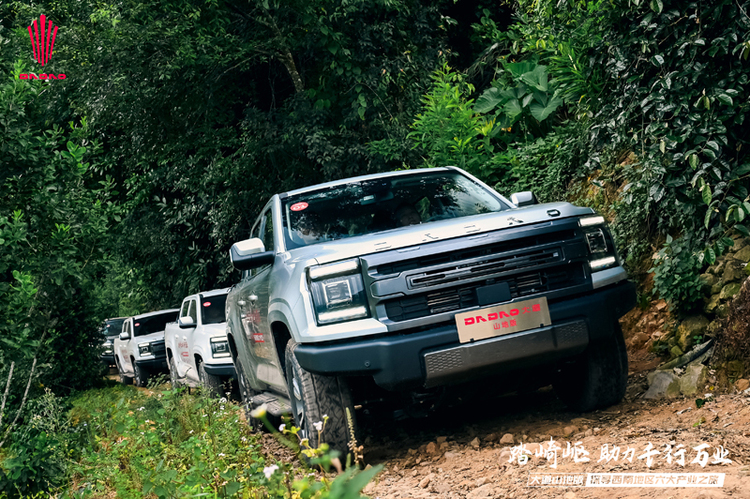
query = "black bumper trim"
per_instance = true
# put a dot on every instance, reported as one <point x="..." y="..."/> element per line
<point x="398" y="361"/>
<point x="157" y="364"/>
<point x="524" y="349"/>
<point x="223" y="370"/>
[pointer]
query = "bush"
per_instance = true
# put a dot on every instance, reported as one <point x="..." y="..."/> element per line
<point x="34" y="468"/>
<point x="676" y="274"/>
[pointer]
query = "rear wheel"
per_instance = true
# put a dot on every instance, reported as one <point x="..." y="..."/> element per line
<point x="125" y="380"/>
<point x="141" y="375"/>
<point x="314" y="397"/>
<point x="599" y="378"/>
<point x="210" y="382"/>
<point x="246" y="395"/>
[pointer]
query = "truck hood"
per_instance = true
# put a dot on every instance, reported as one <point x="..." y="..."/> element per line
<point x="416" y="235"/>
<point x="158" y="336"/>
<point x="214" y="330"/>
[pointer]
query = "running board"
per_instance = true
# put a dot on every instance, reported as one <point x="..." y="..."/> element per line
<point x="276" y="404"/>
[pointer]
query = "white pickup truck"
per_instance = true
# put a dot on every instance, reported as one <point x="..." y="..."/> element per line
<point x="197" y="349"/>
<point x="139" y="350"/>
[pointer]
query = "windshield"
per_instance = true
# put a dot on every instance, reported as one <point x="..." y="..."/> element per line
<point x="212" y="309"/>
<point x="112" y="327"/>
<point x="360" y="208"/>
<point x="153" y="323"/>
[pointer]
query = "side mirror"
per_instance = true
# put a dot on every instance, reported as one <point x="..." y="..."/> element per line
<point x="250" y="254"/>
<point x="523" y="198"/>
<point x="124" y="336"/>
<point x="186" y="322"/>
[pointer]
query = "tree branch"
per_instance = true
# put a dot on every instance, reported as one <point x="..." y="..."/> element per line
<point x="7" y="389"/>
<point x="23" y="402"/>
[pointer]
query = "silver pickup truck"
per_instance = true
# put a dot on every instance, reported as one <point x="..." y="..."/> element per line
<point x="409" y="282"/>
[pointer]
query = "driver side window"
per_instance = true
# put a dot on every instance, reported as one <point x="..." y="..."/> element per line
<point x="267" y="230"/>
<point x="192" y="313"/>
<point x="184" y="311"/>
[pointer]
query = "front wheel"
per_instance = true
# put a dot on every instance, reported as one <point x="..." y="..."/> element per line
<point x="125" y="380"/>
<point x="141" y="375"/>
<point x="315" y="397"/>
<point x="210" y="382"/>
<point x="599" y="378"/>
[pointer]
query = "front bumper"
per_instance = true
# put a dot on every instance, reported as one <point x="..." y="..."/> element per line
<point x="108" y="359"/>
<point x="154" y="364"/>
<point x="223" y="370"/>
<point x="434" y="356"/>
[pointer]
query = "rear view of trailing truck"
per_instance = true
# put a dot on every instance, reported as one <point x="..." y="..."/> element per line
<point x="399" y="285"/>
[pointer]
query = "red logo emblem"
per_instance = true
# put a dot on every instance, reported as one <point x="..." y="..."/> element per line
<point x="299" y="206"/>
<point x="42" y="39"/>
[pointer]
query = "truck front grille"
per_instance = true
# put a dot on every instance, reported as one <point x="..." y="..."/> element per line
<point x="158" y="349"/>
<point x="499" y="247"/>
<point x="464" y="296"/>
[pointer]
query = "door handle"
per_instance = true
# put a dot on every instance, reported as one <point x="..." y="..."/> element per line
<point x="252" y="298"/>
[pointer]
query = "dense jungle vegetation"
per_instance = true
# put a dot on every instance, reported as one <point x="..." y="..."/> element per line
<point x="125" y="183"/>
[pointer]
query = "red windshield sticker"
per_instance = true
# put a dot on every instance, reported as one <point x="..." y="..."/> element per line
<point x="299" y="206"/>
<point x="137" y="324"/>
<point x="206" y="303"/>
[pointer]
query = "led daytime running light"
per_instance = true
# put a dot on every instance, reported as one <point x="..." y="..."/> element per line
<point x="589" y="221"/>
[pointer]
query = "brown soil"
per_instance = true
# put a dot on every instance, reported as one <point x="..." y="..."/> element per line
<point x="458" y="453"/>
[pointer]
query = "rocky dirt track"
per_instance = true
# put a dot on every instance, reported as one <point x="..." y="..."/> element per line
<point x="466" y="451"/>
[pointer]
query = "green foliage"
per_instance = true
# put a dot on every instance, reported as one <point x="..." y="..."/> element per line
<point x="54" y="219"/>
<point x="448" y="131"/>
<point x="676" y="274"/>
<point x="33" y="469"/>
<point x="548" y="165"/>
<point x="525" y="96"/>
<point x="171" y="444"/>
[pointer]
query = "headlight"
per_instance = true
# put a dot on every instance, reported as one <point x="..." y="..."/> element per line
<point x="107" y="347"/>
<point x="144" y="349"/>
<point x="602" y="252"/>
<point x="219" y="347"/>
<point x="338" y="292"/>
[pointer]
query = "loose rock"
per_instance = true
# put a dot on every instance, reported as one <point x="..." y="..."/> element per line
<point x="661" y="384"/>
<point x="483" y="491"/>
<point x="569" y="430"/>
<point x="425" y="481"/>
<point x="692" y="381"/>
<point x="507" y="439"/>
<point x="742" y="384"/>
<point x="475" y="443"/>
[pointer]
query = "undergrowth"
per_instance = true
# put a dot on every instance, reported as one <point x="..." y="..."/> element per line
<point x="126" y="442"/>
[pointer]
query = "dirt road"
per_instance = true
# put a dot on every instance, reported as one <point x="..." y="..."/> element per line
<point x="466" y="451"/>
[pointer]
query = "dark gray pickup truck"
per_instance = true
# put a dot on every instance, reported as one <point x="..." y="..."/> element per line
<point x="405" y="283"/>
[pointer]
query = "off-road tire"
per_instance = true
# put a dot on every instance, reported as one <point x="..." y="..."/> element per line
<point x="125" y="380"/>
<point x="599" y="378"/>
<point x="174" y="379"/>
<point x="318" y="396"/>
<point x="246" y="394"/>
<point x="141" y="375"/>
<point x="210" y="382"/>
